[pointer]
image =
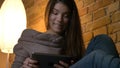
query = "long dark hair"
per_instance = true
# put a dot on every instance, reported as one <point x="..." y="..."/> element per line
<point x="73" y="34"/>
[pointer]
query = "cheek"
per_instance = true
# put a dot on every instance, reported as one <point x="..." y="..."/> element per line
<point x="66" y="21"/>
<point x="51" y="18"/>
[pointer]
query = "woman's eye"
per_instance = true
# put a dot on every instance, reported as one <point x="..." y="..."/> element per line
<point x="66" y="15"/>
<point x="55" y="13"/>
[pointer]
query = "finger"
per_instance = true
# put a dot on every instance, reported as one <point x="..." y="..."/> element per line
<point x="29" y="63"/>
<point x="31" y="60"/>
<point x="72" y="61"/>
<point x="63" y="64"/>
<point x="26" y="61"/>
<point x="25" y="66"/>
<point x="30" y="66"/>
<point x="58" y="66"/>
<point x="33" y="66"/>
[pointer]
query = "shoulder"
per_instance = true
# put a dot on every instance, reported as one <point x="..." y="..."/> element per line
<point x="29" y="32"/>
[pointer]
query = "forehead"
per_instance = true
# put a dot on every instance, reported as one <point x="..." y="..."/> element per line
<point x="61" y="7"/>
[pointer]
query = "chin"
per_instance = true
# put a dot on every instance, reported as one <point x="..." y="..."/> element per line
<point x="58" y="31"/>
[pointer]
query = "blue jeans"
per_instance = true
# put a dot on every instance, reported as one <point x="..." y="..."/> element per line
<point x="101" y="53"/>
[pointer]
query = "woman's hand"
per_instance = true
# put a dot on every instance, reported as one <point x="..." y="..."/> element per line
<point x="63" y="64"/>
<point x="30" y="63"/>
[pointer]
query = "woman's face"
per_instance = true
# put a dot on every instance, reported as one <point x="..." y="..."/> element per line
<point x="59" y="17"/>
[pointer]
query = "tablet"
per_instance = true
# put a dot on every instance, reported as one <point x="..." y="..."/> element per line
<point x="48" y="60"/>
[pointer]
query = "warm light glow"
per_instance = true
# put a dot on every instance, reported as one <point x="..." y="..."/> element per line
<point x="1" y="32"/>
<point x="13" y="20"/>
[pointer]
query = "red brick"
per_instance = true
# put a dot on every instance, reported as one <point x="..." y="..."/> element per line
<point x="88" y="2"/>
<point x="83" y="28"/>
<point x="83" y="11"/>
<point x="118" y="36"/>
<point x="86" y="18"/>
<point x="99" y="13"/>
<point x="89" y="26"/>
<point x="95" y="6"/>
<point x="116" y="17"/>
<point x="77" y="1"/>
<point x="114" y="27"/>
<point x="87" y="36"/>
<point x="99" y="4"/>
<point x="114" y="37"/>
<point x="79" y="4"/>
<point x="101" y="22"/>
<point x="102" y="30"/>
<point x="98" y="0"/>
<point x="107" y="2"/>
<point x="113" y="7"/>
<point x="117" y="0"/>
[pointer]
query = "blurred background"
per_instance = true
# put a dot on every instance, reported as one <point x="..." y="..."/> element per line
<point x="97" y="17"/>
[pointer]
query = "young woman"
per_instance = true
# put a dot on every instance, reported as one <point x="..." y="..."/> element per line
<point x="63" y="36"/>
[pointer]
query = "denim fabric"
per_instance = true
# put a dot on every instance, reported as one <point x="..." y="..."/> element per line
<point x="104" y="43"/>
<point x="101" y="53"/>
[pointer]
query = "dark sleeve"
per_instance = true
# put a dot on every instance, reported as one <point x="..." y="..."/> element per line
<point x="20" y="51"/>
<point x="20" y="55"/>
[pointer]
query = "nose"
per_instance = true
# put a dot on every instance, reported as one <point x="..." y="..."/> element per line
<point x="59" y="18"/>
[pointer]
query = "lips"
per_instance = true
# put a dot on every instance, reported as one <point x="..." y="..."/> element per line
<point x="58" y="25"/>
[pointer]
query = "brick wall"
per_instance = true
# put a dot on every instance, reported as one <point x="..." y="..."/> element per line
<point x="100" y="17"/>
<point x="35" y="10"/>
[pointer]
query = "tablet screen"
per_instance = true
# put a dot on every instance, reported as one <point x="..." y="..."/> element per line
<point x="48" y="60"/>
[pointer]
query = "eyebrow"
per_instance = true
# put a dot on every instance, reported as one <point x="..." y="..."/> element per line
<point x="55" y="9"/>
<point x="58" y="10"/>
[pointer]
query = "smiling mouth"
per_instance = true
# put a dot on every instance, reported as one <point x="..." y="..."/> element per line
<point x="58" y="25"/>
